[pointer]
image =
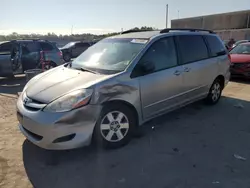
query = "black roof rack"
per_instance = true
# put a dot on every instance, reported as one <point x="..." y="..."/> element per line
<point x="135" y="31"/>
<point x="167" y="30"/>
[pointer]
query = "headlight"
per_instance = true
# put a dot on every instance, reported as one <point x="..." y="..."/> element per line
<point x="70" y="101"/>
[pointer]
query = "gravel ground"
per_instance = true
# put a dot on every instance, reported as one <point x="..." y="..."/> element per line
<point x="197" y="146"/>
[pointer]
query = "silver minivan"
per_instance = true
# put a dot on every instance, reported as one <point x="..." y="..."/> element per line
<point x="118" y="84"/>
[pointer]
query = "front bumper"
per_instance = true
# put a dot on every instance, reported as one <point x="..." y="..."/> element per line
<point x="58" y="131"/>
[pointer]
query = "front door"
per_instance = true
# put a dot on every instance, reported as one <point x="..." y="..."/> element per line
<point x="5" y="59"/>
<point x="160" y="88"/>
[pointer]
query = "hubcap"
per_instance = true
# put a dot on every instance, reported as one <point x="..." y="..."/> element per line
<point x="114" y="126"/>
<point x="216" y="92"/>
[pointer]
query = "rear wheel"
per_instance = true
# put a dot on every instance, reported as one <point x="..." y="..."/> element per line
<point x="214" y="92"/>
<point x="114" y="127"/>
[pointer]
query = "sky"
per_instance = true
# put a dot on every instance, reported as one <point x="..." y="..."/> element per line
<point x="102" y="16"/>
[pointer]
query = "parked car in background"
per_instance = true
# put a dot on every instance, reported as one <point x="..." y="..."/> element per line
<point x="74" y="49"/>
<point x="240" y="42"/>
<point x="19" y="55"/>
<point x="120" y="83"/>
<point x="240" y="60"/>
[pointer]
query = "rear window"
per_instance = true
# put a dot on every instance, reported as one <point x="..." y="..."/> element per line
<point x="192" y="48"/>
<point x="216" y="46"/>
<point x="46" y="46"/>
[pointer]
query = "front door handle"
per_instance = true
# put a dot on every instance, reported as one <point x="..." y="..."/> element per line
<point x="177" y="73"/>
<point x="186" y="69"/>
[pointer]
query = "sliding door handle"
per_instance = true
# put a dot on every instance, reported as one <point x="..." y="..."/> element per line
<point x="177" y="73"/>
<point x="186" y="69"/>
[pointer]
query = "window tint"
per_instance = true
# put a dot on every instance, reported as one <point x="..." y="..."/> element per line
<point x="192" y="48"/>
<point x="5" y="47"/>
<point x="82" y="45"/>
<point x="161" y="55"/>
<point x="30" y="47"/>
<point x="46" y="46"/>
<point x="215" y="45"/>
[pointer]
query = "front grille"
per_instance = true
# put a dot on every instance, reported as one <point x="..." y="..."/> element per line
<point x="31" y="104"/>
<point x="239" y="65"/>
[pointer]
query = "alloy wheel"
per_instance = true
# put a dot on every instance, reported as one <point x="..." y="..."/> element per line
<point x="216" y="91"/>
<point x="114" y="126"/>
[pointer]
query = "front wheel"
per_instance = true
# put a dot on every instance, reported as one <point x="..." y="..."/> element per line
<point x="115" y="126"/>
<point x="214" y="93"/>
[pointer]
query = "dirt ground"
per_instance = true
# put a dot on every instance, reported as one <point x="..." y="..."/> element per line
<point x="197" y="146"/>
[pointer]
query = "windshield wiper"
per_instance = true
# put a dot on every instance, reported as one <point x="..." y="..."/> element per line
<point x="87" y="70"/>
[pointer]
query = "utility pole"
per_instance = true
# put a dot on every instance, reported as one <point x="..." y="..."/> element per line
<point x="72" y="30"/>
<point x="167" y="16"/>
<point x="178" y="14"/>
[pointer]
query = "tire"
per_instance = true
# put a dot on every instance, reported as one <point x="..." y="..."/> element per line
<point x="214" y="94"/>
<point x="67" y="57"/>
<point x="115" y="126"/>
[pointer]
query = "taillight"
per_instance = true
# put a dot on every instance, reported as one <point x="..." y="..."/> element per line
<point x="42" y="56"/>
<point x="60" y="54"/>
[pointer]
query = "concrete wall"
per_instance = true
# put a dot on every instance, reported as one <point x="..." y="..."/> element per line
<point x="232" y="20"/>
<point x="237" y="34"/>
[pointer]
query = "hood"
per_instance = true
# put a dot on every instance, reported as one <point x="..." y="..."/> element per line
<point x="240" y="58"/>
<point x="60" y="81"/>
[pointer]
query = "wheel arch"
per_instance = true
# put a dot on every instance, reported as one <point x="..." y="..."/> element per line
<point x="127" y="104"/>
<point x="221" y="78"/>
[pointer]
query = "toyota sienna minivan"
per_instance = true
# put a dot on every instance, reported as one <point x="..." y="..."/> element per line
<point x="118" y="84"/>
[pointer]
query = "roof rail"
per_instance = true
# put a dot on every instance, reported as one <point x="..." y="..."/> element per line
<point x="167" y="30"/>
<point x="135" y="31"/>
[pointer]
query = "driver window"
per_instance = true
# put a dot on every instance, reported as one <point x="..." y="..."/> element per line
<point x="161" y="54"/>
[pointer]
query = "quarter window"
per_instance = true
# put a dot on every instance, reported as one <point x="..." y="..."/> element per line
<point x="192" y="48"/>
<point x="216" y="46"/>
<point x="46" y="46"/>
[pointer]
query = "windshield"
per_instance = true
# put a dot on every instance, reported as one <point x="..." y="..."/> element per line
<point x="69" y="45"/>
<point x="109" y="54"/>
<point x="241" y="49"/>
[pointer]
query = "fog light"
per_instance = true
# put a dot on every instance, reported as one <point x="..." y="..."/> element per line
<point x="64" y="138"/>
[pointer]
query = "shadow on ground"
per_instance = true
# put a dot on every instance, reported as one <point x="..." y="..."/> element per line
<point x="12" y="85"/>
<point x="240" y="80"/>
<point x="191" y="147"/>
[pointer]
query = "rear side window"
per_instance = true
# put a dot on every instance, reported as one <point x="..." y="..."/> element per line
<point x="46" y="46"/>
<point x="192" y="48"/>
<point x="30" y="47"/>
<point x="82" y="45"/>
<point x="216" y="46"/>
<point x="5" y="47"/>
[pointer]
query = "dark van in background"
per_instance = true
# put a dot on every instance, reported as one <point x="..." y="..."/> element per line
<point x="18" y="56"/>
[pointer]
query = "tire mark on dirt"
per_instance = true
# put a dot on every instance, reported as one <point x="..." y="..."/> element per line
<point x="3" y="168"/>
